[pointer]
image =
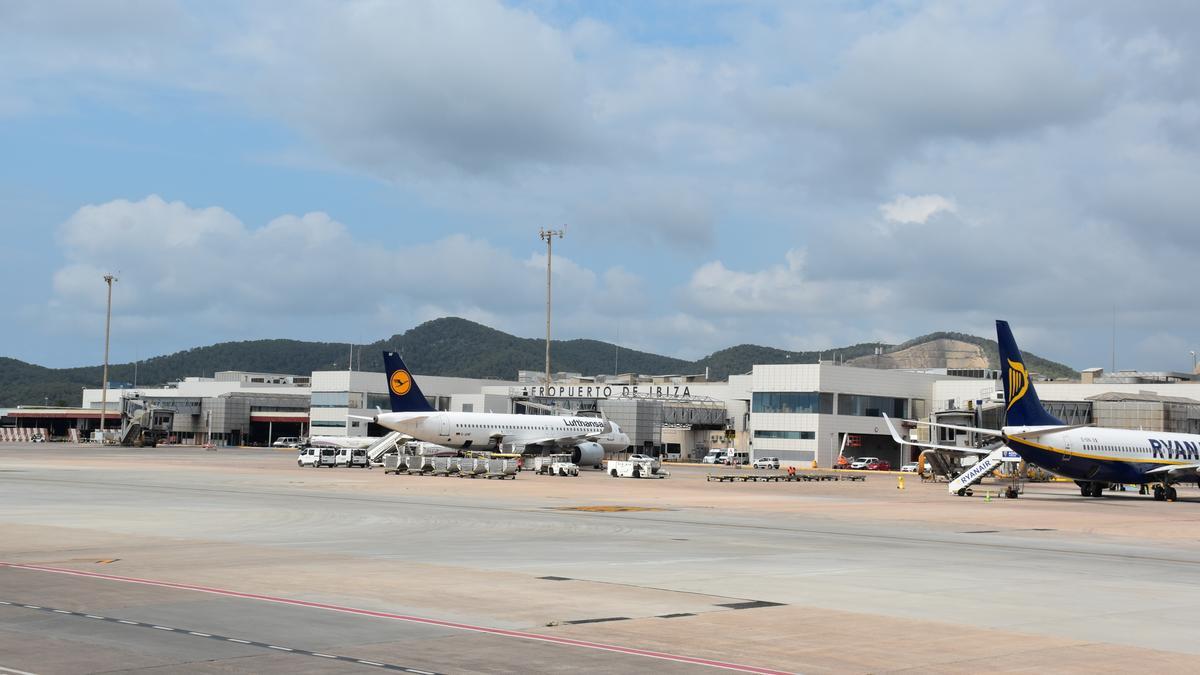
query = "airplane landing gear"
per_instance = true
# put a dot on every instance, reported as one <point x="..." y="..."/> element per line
<point x="1090" y="488"/>
<point x="1165" y="493"/>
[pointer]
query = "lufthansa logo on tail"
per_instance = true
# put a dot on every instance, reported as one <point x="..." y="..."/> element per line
<point x="1018" y="382"/>
<point x="400" y="382"/>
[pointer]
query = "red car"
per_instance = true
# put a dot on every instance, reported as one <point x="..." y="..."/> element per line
<point x="880" y="465"/>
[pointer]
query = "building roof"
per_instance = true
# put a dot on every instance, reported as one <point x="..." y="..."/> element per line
<point x="1142" y="396"/>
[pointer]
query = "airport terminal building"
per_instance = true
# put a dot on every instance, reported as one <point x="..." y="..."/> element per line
<point x="800" y="413"/>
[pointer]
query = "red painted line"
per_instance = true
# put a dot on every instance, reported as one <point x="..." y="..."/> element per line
<point x="405" y="617"/>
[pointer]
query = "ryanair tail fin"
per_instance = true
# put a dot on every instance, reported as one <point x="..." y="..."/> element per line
<point x="406" y="396"/>
<point x="1022" y="407"/>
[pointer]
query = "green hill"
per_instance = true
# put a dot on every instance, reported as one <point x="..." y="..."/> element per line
<point x="448" y="346"/>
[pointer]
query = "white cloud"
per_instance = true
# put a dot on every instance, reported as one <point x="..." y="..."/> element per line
<point x="918" y="209"/>
<point x="202" y="271"/>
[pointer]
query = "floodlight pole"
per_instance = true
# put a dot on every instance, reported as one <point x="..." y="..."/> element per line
<point x="548" y="236"/>
<point x="108" y="279"/>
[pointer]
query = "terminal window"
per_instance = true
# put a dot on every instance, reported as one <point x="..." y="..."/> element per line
<point x="792" y="402"/>
<point x="872" y="406"/>
<point x="792" y="435"/>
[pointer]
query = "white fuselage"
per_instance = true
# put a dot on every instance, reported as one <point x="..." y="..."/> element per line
<point x="1119" y="455"/>
<point x="464" y="430"/>
<point x="341" y="441"/>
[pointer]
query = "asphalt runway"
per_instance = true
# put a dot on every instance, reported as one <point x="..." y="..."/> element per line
<point x="238" y="561"/>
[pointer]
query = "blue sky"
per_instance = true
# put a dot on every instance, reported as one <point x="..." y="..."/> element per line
<point x="800" y="175"/>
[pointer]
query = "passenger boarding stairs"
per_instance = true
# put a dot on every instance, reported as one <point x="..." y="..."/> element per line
<point x="982" y="469"/>
<point x="381" y="447"/>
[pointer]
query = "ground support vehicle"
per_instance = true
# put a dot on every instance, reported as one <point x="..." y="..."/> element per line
<point x="781" y="477"/>
<point x="555" y="465"/>
<point x="634" y="469"/>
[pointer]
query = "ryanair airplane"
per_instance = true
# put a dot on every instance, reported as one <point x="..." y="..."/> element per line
<point x="1093" y="457"/>
<point x="586" y="438"/>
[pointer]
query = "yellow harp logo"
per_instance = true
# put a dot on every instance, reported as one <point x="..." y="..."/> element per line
<point x="400" y="382"/>
<point x="1018" y="382"/>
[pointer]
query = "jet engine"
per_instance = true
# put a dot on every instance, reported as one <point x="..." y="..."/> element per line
<point x="588" y="453"/>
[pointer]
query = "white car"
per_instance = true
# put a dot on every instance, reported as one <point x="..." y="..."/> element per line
<point x="713" y="459"/>
<point x="863" y="462"/>
<point x="766" y="463"/>
<point x="911" y="467"/>
<point x="286" y="442"/>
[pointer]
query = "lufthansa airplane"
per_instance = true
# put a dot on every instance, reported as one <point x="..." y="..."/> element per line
<point x="586" y="438"/>
<point x="1095" y="458"/>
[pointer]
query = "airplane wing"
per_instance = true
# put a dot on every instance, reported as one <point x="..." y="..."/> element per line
<point x="361" y="417"/>
<point x="933" y="446"/>
<point x="565" y="440"/>
<point x="974" y="430"/>
<point x="1177" y="471"/>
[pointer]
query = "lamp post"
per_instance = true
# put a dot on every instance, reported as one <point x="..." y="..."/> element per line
<point x="108" y="279"/>
<point x="548" y="236"/>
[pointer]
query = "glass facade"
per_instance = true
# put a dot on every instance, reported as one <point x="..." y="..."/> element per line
<point x="872" y="406"/>
<point x="792" y="402"/>
<point x="792" y="435"/>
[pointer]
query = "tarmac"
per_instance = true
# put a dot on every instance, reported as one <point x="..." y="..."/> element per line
<point x="236" y="560"/>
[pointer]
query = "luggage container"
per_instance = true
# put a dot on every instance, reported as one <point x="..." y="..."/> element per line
<point x="470" y="467"/>
<point x="419" y="464"/>
<point x="502" y="468"/>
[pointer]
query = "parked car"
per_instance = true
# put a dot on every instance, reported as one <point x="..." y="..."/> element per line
<point x="862" y="462"/>
<point x="911" y="467"/>
<point x="766" y="463"/>
<point x="713" y="459"/>
<point x="880" y="465"/>
<point x="286" y="442"/>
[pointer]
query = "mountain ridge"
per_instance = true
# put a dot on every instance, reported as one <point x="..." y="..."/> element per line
<point x="448" y="346"/>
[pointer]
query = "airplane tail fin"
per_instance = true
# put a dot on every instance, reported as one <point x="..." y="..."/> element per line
<point x="1022" y="406"/>
<point x="406" y="396"/>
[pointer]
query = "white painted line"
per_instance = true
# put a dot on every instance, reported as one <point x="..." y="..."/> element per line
<point x="93" y="616"/>
<point x="192" y="632"/>
<point x="14" y="671"/>
<point x="419" y="672"/>
<point x="131" y="623"/>
<point x="369" y="663"/>
<point x="5" y="602"/>
<point x="328" y="656"/>
<point x="32" y="606"/>
<point x="489" y="630"/>
<point x="282" y="649"/>
<point x="62" y="611"/>
<point x="162" y="628"/>
<point x="245" y="642"/>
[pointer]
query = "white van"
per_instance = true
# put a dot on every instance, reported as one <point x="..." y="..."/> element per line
<point x="308" y="457"/>
<point x="352" y="457"/>
<point x="286" y="442"/>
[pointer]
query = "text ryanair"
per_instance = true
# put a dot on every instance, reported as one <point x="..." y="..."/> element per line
<point x="1170" y="449"/>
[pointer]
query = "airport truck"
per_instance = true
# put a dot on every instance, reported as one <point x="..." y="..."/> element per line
<point x="634" y="468"/>
<point x="555" y="465"/>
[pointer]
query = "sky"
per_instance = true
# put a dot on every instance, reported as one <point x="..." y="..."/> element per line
<point x="796" y="175"/>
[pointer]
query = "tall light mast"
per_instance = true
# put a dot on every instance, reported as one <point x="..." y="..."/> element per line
<point x="548" y="236"/>
<point x="108" y="279"/>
